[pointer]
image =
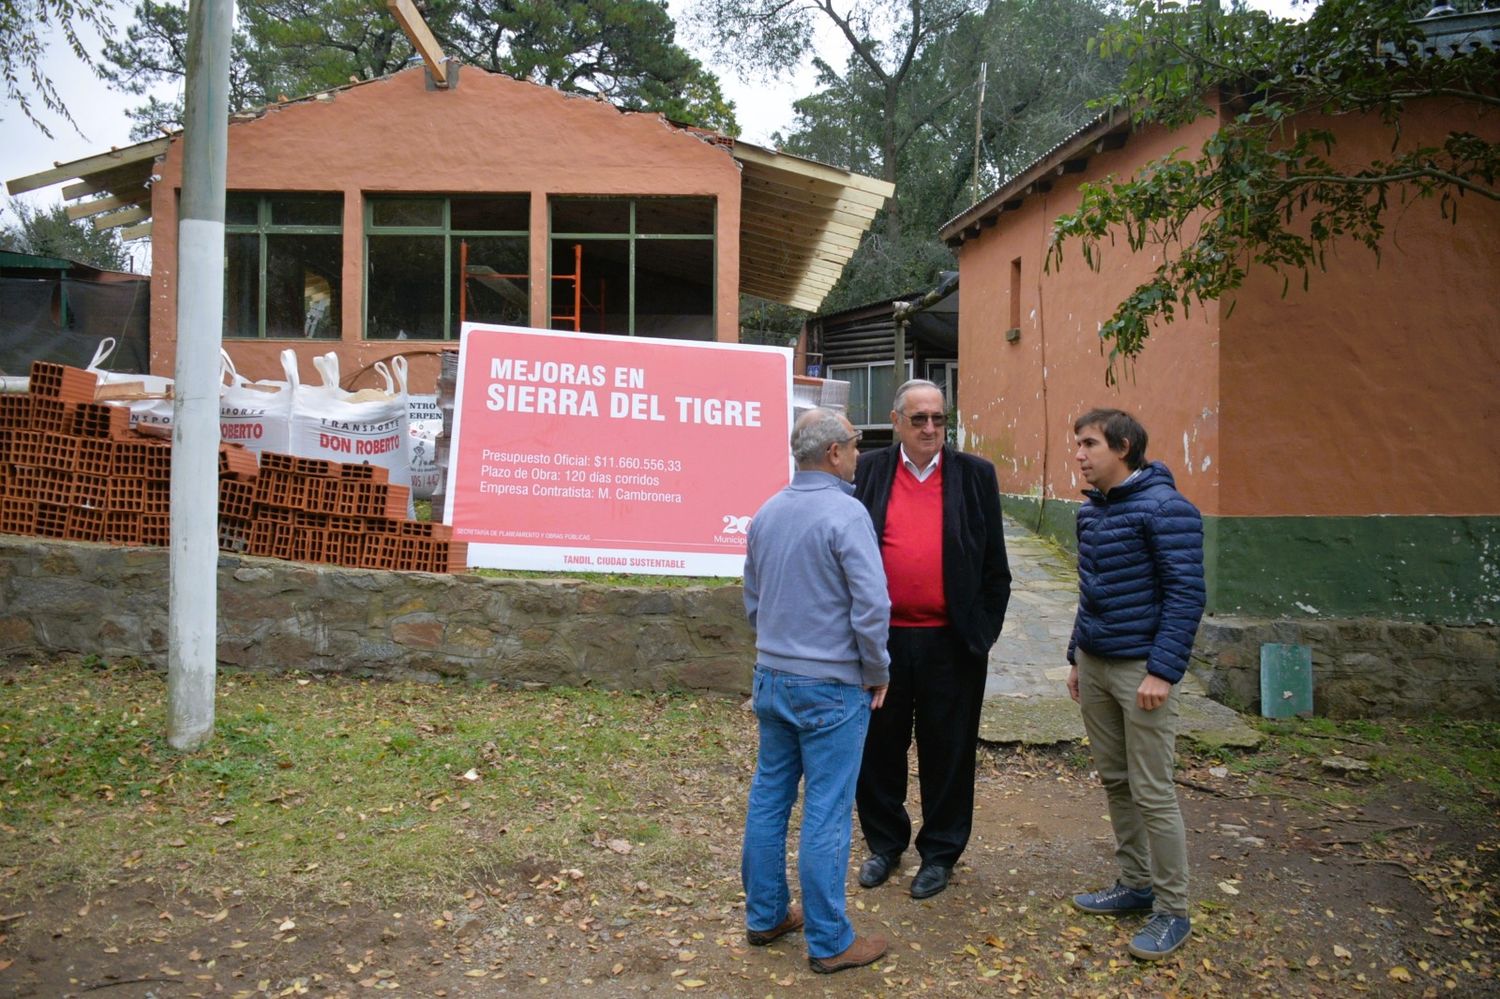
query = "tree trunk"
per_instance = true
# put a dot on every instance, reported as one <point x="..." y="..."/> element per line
<point x="889" y="154"/>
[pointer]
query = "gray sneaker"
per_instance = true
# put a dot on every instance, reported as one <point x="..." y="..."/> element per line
<point x="1161" y="936"/>
<point x="1117" y="900"/>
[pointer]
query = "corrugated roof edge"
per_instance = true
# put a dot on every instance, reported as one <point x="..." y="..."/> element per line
<point x="1114" y="120"/>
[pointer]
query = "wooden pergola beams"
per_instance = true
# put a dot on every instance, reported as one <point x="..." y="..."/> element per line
<point x="800" y="222"/>
<point x="97" y="164"/>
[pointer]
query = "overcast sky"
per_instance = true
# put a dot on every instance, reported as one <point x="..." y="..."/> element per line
<point x="100" y="112"/>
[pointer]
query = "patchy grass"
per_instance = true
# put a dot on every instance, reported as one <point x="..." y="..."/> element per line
<point x="358" y="790"/>
<point x="1448" y="763"/>
<point x="340" y="836"/>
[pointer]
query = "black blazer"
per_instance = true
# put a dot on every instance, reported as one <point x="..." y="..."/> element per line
<point x="976" y="575"/>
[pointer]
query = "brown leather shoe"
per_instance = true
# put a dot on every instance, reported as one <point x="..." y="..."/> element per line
<point x="792" y="922"/>
<point x="863" y="951"/>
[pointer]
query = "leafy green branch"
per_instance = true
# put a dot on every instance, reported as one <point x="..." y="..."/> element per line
<point x="23" y="28"/>
<point x="1268" y="188"/>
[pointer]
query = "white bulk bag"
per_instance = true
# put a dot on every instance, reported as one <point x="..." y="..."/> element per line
<point x="153" y="413"/>
<point x="256" y="414"/>
<point x="425" y="425"/>
<point x="369" y="426"/>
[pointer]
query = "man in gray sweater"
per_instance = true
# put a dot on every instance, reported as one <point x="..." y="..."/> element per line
<point x="815" y="594"/>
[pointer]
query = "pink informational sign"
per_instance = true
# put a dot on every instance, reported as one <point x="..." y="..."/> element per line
<point x="588" y="453"/>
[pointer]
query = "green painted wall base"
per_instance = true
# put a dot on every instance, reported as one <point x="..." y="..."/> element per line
<point x="1052" y="518"/>
<point x="1444" y="570"/>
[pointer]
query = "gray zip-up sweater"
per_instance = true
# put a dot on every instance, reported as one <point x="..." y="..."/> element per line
<point x="815" y="585"/>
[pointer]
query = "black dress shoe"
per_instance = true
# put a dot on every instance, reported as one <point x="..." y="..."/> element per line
<point x="930" y="879"/>
<point x="874" y="872"/>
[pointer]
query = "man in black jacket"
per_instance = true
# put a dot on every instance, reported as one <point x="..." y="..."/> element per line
<point x="937" y="514"/>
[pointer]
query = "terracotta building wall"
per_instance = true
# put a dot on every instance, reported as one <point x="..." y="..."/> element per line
<point x="490" y="134"/>
<point x="1374" y="391"/>
<point x="1019" y="400"/>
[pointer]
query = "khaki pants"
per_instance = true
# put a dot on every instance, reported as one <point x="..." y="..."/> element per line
<point x="1134" y="752"/>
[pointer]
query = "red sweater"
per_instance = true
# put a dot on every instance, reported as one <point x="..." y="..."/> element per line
<point x="912" y="549"/>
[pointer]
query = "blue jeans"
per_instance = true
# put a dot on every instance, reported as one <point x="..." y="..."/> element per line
<point x="810" y="730"/>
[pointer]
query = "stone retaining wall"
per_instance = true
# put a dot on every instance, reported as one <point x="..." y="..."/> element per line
<point x="77" y="598"/>
<point x="1362" y="668"/>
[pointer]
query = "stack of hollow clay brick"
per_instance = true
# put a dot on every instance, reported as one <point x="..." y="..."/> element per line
<point x="312" y="510"/>
<point x="72" y="468"/>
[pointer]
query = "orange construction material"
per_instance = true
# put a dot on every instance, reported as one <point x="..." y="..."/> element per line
<point x="580" y="303"/>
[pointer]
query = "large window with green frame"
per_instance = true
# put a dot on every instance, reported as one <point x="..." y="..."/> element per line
<point x="283" y="265"/>
<point x="634" y="266"/>
<point x="434" y="262"/>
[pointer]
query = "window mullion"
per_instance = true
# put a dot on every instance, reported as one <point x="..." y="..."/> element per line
<point x="447" y="330"/>
<point x="260" y="283"/>
<point x="262" y="218"/>
<point x="630" y="282"/>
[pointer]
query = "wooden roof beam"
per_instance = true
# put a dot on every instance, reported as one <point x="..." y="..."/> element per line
<point x="89" y="165"/>
<point x="767" y="272"/>
<point x="1111" y="141"/>
<point x="755" y="197"/>
<point x="812" y="171"/>
<point x="789" y="275"/>
<point x="850" y="206"/>
<point x="110" y="182"/>
<point x="815" y="193"/>
<point x="791" y="257"/>
<point x="831" y="238"/>
<point x="792" y="251"/>
<point x="100" y="205"/>
<point x="764" y="205"/>
<point x="116" y="219"/>
<point x="797" y="298"/>
<point x="422" y="39"/>
<point x="801" y="222"/>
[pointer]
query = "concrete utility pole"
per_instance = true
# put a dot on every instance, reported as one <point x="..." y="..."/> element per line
<point x="193" y="629"/>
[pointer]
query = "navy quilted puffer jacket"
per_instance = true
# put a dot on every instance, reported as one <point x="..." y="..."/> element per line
<point x="1140" y="574"/>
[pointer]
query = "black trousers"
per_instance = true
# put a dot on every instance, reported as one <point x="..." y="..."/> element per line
<point x="937" y="689"/>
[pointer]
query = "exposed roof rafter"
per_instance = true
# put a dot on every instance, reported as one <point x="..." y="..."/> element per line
<point x="800" y="222"/>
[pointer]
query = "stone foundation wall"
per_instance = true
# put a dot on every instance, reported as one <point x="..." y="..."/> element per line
<point x="75" y="598"/>
<point x="1362" y="668"/>
<point x="84" y="599"/>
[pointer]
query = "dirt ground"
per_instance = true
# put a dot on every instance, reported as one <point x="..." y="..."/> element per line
<point x="1379" y="896"/>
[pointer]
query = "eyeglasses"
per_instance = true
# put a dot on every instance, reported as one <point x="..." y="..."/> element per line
<point x="854" y="438"/>
<point x="922" y="419"/>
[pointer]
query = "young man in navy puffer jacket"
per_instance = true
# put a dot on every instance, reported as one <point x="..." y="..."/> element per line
<point x="1140" y="598"/>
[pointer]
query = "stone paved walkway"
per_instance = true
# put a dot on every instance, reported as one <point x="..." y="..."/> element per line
<point x="1026" y="695"/>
